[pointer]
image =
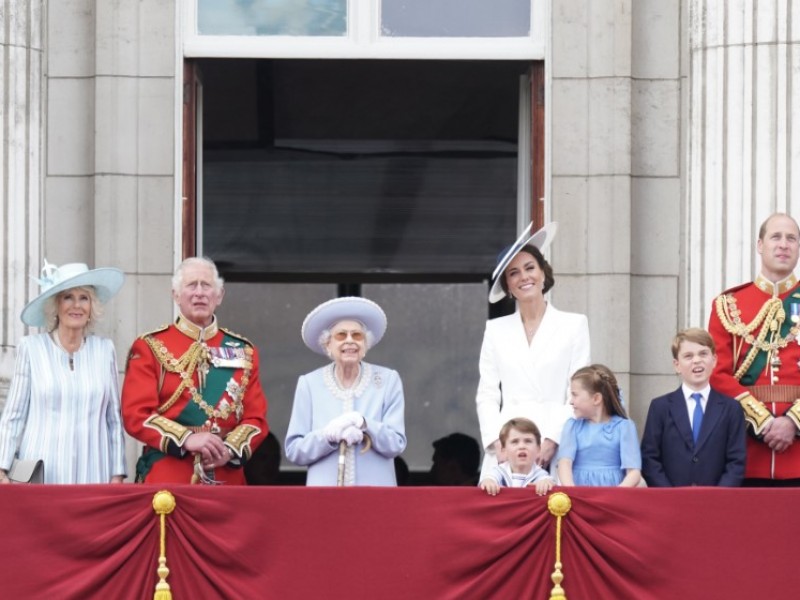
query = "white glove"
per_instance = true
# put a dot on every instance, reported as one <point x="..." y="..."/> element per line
<point x="356" y="419"/>
<point x="352" y="435"/>
<point x="334" y="430"/>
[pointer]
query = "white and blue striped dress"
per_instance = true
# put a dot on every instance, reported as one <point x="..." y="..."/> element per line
<point x="68" y="418"/>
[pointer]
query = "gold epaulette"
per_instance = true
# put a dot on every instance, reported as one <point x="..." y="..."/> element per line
<point x="169" y="430"/>
<point x="238" y="440"/>
<point x="156" y="330"/>
<point x="755" y="412"/>
<point x="238" y="336"/>
<point x="794" y="413"/>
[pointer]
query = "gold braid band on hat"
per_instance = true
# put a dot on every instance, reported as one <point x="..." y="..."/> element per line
<point x="770" y="318"/>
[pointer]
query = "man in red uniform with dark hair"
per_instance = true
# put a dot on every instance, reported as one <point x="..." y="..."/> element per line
<point x="192" y="392"/>
<point x="755" y="327"/>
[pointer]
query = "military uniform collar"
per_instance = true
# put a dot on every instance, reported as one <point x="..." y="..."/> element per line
<point x="195" y="332"/>
<point x="775" y="288"/>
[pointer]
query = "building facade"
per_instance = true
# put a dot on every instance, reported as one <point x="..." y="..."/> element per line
<point x="658" y="134"/>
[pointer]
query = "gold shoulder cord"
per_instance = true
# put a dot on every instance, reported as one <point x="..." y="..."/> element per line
<point x="184" y="366"/>
<point x="770" y="318"/>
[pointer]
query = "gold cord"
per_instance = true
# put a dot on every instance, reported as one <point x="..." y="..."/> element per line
<point x="770" y="318"/>
<point x="196" y="356"/>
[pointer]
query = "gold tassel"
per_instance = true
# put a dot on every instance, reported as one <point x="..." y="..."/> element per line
<point x="559" y="505"/>
<point x="163" y="504"/>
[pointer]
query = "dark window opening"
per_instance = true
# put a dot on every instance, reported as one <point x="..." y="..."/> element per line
<point x="359" y="171"/>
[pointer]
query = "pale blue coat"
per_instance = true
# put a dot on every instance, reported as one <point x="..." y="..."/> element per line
<point x="379" y="398"/>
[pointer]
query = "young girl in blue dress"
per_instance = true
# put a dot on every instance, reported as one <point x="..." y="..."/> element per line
<point x="599" y="446"/>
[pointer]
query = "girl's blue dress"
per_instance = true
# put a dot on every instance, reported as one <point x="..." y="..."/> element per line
<point x="600" y="452"/>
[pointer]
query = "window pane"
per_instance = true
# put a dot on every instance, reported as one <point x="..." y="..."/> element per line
<point x="272" y="17"/>
<point x="362" y="169"/>
<point x="455" y="18"/>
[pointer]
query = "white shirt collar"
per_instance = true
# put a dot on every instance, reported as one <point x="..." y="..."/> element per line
<point x="687" y="393"/>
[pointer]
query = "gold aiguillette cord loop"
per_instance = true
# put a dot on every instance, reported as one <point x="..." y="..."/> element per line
<point x="559" y="504"/>
<point x="163" y="504"/>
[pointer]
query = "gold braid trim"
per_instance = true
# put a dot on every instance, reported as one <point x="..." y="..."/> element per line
<point x="185" y="367"/>
<point x="238" y="440"/>
<point x="169" y="430"/>
<point x="755" y="412"/>
<point x="794" y="413"/>
<point x="770" y="318"/>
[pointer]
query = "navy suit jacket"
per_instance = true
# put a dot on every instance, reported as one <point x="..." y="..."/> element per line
<point x="669" y="454"/>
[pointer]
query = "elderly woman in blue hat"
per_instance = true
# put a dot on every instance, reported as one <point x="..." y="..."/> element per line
<point x="63" y="406"/>
<point x="528" y="357"/>
<point x="347" y="422"/>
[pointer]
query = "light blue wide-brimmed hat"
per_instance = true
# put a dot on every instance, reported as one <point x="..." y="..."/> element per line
<point x="347" y="308"/>
<point x="106" y="282"/>
<point x="541" y="239"/>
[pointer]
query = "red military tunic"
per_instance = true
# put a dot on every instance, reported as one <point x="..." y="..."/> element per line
<point x="755" y="329"/>
<point x="181" y="379"/>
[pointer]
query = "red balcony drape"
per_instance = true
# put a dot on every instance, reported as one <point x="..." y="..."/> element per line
<point x="286" y="542"/>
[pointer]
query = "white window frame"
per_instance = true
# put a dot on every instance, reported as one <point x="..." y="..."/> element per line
<point x="364" y="41"/>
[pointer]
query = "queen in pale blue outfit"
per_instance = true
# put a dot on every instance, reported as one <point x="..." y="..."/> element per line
<point x="601" y="452"/>
<point x="347" y="422"/>
<point x="63" y="405"/>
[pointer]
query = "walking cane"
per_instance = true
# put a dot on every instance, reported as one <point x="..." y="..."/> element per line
<point x="342" y="453"/>
<point x="340" y="474"/>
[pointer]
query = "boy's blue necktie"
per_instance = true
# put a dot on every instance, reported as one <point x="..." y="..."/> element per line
<point x="697" y="418"/>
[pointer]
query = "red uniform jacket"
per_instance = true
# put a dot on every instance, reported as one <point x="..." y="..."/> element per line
<point x="176" y="384"/>
<point x="758" y="363"/>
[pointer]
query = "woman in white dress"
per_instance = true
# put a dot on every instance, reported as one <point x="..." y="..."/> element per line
<point x="347" y="422"/>
<point x="63" y="406"/>
<point x="528" y="357"/>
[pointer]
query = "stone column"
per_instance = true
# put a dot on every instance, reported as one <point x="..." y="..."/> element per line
<point x="744" y="143"/>
<point x="20" y="169"/>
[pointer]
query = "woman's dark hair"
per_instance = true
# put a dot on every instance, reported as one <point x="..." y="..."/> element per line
<point x="549" y="280"/>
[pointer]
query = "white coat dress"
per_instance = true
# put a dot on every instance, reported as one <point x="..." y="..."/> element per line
<point x="531" y="381"/>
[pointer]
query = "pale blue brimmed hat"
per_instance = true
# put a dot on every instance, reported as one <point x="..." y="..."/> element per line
<point x="541" y="239"/>
<point x="347" y="308"/>
<point x="106" y="282"/>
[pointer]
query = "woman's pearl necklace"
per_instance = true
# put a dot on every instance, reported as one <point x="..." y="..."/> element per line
<point x="339" y="383"/>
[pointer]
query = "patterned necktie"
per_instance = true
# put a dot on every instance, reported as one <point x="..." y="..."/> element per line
<point x="697" y="418"/>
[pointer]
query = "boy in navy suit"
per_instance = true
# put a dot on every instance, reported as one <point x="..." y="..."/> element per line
<point x="694" y="435"/>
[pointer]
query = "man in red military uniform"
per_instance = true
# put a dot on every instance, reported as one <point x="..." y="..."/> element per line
<point x="192" y="392"/>
<point x="755" y="327"/>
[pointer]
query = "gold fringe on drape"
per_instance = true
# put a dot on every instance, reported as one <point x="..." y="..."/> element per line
<point x="559" y="505"/>
<point x="163" y="504"/>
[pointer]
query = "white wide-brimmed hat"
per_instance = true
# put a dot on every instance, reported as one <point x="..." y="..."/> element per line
<point x="106" y="282"/>
<point x="347" y="308"/>
<point x="541" y="239"/>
